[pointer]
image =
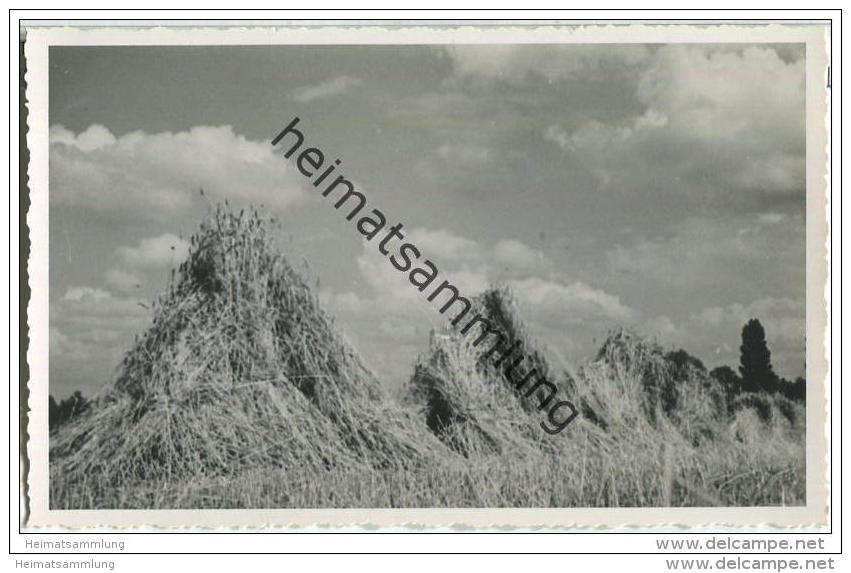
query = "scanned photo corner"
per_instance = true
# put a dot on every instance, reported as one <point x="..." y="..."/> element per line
<point x="557" y="276"/>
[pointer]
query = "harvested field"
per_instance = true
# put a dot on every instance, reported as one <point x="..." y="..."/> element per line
<point x="243" y="394"/>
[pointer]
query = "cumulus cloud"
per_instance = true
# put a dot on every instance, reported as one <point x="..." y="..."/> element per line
<point x="77" y="294"/>
<point x="714" y="121"/>
<point x="161" y="174"/>
<point x="515" y="254"/>
<point x="568" y="316"/>
<point x="92" y="305"/>
<point x="573" y="302"/>
<point x="122" y="280"/>
<point x="90" y="329"/>
<point x="140" y="266"/>
<point x="466" y="263"/>
<point x="443" y="244"/>
<point x="390" y="310"/>
<point x="698" y="260"/>
<point x="384" y="280"/>
<point x="550" y="301"/>
<point x="637" y="160"/>
<point x="165" y="250"/>
<point x="393" y="292"/>
<point x="663" y="329"/>
<point x="751" y="96"/>
<point x="326" y="89"/>
<point x="95" y="137"/>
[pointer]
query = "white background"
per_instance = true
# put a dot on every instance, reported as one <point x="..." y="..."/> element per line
<point x="371" y="541"/>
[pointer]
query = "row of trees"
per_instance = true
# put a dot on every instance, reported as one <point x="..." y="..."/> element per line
<point x="755" y="385"/>
<point x="66" y="409"/>
<point x="756" y="374"/>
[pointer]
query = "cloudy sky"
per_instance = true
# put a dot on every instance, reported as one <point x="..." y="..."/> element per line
<point x="657" y="187"/>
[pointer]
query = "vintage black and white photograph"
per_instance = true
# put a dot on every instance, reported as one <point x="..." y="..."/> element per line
<point x="446" y="274"/>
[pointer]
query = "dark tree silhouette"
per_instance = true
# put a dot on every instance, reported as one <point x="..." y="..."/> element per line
<point x="53" y="414"/>
<point x="66" y="409"/>
<point x="796" y="390"/>
<point x="799" y="389"/>
<point x="755" y="368"/>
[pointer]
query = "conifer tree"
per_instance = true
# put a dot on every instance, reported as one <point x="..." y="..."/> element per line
<point x="755" y="368"/>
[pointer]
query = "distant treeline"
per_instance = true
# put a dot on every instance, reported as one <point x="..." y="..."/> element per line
<point x="754" y="379"/>
<point x="755" y="371"/>
<point x="64" y="410"/>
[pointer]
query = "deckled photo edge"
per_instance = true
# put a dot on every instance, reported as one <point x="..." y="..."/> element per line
<point x="818" y="407"/>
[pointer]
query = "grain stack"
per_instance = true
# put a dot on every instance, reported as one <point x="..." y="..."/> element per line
<point x="239" y="369"/>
